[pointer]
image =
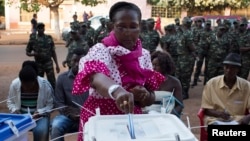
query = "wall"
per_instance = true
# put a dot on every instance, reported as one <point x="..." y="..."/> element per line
<point x="68" y="9"/>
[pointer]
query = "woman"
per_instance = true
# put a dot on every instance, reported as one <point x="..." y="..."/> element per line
<point x="163" y="63"/>
<point x="158" y="24"/>
<point x="30" y="93"/>
<point x="118" y="72"/>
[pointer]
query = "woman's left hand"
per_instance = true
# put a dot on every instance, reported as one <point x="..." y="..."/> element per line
<point x="140" y="93"/>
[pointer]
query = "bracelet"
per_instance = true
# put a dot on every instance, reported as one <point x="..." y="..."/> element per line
<point x="112" y="89"/>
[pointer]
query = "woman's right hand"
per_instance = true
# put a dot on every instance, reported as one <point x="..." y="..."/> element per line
<point x="125" y="102"/>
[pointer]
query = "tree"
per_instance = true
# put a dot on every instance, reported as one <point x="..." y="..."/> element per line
<point x="53" y="5"/>
<point x="2" y="7"/>
<point x="209" y="5"/>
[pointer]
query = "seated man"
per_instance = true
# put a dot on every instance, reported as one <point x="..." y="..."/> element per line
<point x="30" y="93"/>
<point x="68" y="119"/>
<point x="226" y="98"/>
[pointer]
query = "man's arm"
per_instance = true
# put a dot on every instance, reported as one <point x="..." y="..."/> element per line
<point x="207" y="104"/>
<point x="54" y="56"/>
<point x="29" y="47"/>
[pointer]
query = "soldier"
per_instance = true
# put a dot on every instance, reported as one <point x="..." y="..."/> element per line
<point x="90" y="35"/>
<point x="169" y="42"/>
<point x="178" y="25"/>
<point x="196" y="31"/>
<point x="153" y="34"/>
<point x="202" y="49"/>
<point x="42" y="47"/>
<point x="75" y="25"/>
<point x="77" y="42"/>
<point x="101" y="31"/>
<point x="244" y="45"/>
<point x="186" y="56"/>
<point x="219" y="47"/>
<point x="144" y="36"/>
<point x="219" y="23"/>
<point x="231" y="36"/>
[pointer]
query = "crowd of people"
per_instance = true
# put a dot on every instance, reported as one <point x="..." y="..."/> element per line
<point x="117" y="68"/>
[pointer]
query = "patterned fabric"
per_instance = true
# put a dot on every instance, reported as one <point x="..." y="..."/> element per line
<point x="80" y="43"/>
<point x="43" y="45"/>
<point x="153" y="40"/>
<point x="28" y="101"/>
<point x="107" y="59"/>
<point x="243" y="41"/>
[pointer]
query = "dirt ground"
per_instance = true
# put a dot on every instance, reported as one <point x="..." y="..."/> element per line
<point x="9" y="72"/>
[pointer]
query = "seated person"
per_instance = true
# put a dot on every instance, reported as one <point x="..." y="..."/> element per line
<point x="30" y="93"/>
<point x="227" y="97"/>
<point x="163" y="63"/>
<point x="68" y="119"/>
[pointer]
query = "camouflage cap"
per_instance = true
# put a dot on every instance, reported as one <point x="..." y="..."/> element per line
<point x="83" y="24"/>
<point x="176" y="19"/>
<point x="243" y="22"/>
<point x="222" y="26"/>
<point x="40" y="25"/>
<point x="169" y="27"/>
<point x="199" y="19"/>
<point x="218" y="19"/>
<point x="151" y="20"/>
<point x="208" y="22"/>
<point x="186" y="20"/>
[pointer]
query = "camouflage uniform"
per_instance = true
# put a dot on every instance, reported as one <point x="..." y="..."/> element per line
<point x="144" y="37"/>
<point x="90" y="35"/>
<point x="219" y="47"/>
<point x="45" y="48"/>
<point x="75" y="25"/>
<point x="178" y="27"/>
<point x="186" y="57"/>
<point x="169" y="42"/>
<point x="244" y="42"/>
<point x="154" y="36"/>
<point x="202" y="49"/>
<point x="101" y="31"/>
<point x="80" y="43"/>
<point x="231" y="36"/>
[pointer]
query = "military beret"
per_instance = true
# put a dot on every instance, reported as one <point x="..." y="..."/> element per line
<point x="40" y="25"/>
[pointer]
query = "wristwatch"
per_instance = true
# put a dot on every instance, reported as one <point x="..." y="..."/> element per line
<point x="112" y="89"/>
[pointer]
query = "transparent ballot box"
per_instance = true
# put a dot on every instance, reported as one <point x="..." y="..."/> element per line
<point x="147" y="127"/>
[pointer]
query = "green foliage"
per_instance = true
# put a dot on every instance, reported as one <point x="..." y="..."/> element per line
<point x="2" y="8"/>
<point x="92" y="2"/>
<point x="153" y="2"/>
<point x="30" y="6"/>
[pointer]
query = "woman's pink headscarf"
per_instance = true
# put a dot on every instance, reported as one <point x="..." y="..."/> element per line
<point x="134" y="74"/>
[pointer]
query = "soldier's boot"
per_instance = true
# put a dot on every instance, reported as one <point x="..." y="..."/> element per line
<point x="185" y="94"/>
<point x="194" y="82"/>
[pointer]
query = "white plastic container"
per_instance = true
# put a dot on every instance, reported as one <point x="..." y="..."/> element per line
<point x="161" y="127"/>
